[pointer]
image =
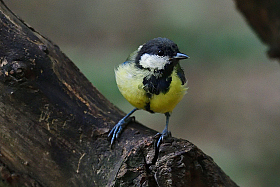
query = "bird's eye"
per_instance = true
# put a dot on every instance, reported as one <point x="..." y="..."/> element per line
<point x="160" y="53"/>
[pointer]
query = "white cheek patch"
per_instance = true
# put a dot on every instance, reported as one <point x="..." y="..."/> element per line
<point x="153" y="61"/>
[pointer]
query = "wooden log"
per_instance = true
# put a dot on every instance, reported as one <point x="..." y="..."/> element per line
<point x="54" y="126"/>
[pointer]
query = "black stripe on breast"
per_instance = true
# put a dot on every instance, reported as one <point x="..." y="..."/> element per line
<point x="147" y="108"/>
<point x="156" y="85"/>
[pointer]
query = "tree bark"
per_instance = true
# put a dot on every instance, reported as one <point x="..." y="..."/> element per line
<point x="54" y="126"/>
<point x="264" y="17"/>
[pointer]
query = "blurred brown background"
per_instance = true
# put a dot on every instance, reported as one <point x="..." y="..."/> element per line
<point x="232" y="109"/>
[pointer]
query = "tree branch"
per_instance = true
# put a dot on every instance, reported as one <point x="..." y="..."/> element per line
<point x="264" y="17"/>
<point x="54" y="126"/>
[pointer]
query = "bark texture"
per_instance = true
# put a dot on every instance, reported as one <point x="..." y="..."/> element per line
<point x="54" y="126"/>
<point x="264" y="18"/>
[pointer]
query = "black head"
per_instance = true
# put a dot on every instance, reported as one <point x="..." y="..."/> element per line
<point x="160" y="47"/>
<point x="158" y="53"/>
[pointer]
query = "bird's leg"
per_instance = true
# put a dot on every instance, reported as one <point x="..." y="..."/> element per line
<point x="118" y="128"/>
<point x="165" y="133"/>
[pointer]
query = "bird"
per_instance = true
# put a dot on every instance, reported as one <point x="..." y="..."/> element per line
<point x="151" y="79"/>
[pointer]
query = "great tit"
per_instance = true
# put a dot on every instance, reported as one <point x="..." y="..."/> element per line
<point x="151" y="79"/>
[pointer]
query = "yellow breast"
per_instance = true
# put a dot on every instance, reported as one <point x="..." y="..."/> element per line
<point x="130" y="83"/>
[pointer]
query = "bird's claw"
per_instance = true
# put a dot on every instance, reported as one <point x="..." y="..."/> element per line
<point x="159" y="137"/>
<point x="118" y="128"/>
<point x="165" y="134"/>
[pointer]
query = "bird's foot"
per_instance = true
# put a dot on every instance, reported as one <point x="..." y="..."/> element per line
<point x="159" y="138"/>
<point x="165" y="134"/>
<point x="118" y="128"/>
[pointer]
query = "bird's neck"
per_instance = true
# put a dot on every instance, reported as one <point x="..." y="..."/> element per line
<point x="165" y="72"/>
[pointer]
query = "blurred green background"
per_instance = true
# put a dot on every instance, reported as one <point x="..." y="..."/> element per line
<point x="232" y="109"/>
